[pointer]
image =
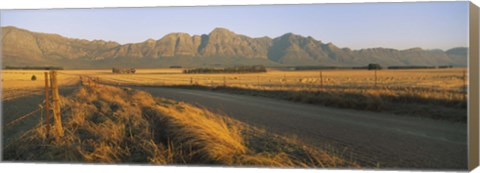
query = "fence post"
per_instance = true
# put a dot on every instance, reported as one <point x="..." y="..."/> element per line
<point x="258" y="81"/>
<point x="321" y="80"/>
<point x="191" y="80"/>
<point x="47" y="105"/>
<point x="224" y="81"/>
<point x="375" y="77"/>
<point x="56" y="105"/>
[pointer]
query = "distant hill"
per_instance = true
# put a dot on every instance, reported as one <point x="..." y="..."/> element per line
<point x="220" y="47"/>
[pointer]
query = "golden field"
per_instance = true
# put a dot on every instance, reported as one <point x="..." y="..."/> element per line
<point x="441" y="79"/>
<point x="434" y="93"/>
<point x="431" y="93"/>
<point x="16" y="83"/>
<point x="108" y="124"/>
<point x="436" y="79"/>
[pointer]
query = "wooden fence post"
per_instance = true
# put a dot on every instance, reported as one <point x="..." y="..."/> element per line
<point x="47" y="105"/>
<point x="224" y="81"/>
<point x="321" y="80"/>
<point x="56" y="105"/>
<point x="375" y="77"/>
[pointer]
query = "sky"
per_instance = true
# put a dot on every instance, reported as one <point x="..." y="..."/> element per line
<point x="429" y="25"/>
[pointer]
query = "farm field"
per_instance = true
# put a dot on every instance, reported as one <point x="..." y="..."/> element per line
<point x="441" y="93"/>
<point x="18" y="83"/>
<point x="432" y="93"/>
<point x="425" y="83"/>
<point x="422" y="79"/>
<point x="437" y="79"/>
<point x="123" y="105"/>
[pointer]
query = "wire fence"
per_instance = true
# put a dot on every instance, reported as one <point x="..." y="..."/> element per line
<point x="22" y="117"/>
<point x="22" y="125"/>
<point x="53" y="99"/>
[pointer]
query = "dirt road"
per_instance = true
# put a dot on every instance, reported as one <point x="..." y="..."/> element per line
<point x="389" y="141"/>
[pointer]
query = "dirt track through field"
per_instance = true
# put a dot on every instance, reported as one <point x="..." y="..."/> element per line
<point x="371" y="138"/>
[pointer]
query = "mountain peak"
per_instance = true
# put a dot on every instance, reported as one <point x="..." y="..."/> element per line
<point x="289" y="34"/>
<point x="221" y="31"/>
<point x="415" y="49"/>
<point x="178" y="34"/>
<point x="150" y="41"/>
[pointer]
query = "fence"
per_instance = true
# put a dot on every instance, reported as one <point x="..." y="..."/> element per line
<point x="53" y="99"/>
<point x="446" y="86"/>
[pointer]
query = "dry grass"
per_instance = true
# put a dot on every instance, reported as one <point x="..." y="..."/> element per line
<point x="120" y="125"/>
<point x="437" y="79"/>
<point x="430" y="93"/>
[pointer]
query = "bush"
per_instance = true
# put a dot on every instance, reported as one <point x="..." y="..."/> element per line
<point x="34" y="77"/>
<point x="374" y="67"/>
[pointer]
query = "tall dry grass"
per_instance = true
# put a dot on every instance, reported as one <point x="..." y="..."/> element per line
<point x="105" y="124"/>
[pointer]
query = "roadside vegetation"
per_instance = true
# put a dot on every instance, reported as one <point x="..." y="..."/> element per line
<point x="448" y="106"/>
<point x="105" y="124"/>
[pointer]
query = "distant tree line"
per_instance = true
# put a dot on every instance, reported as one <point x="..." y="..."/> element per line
<point x="319" y="68"/>
<point x="372" y="66"/>
<point x="419" y="67"/>
<point x="32" y="68"/>
<point x="238" y="69"/>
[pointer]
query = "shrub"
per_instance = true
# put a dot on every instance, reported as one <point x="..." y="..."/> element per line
<point x="34" y="77"/>
<point x="374" y="67"/>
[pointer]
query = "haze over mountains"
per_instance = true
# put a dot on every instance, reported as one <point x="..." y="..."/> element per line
<point x="220" y="47"/>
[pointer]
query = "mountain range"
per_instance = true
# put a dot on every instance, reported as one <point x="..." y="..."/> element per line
<point x="221" y="47"/>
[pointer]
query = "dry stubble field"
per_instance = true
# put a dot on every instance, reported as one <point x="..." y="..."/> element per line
<point x="18" y="83"/>
<point x="444" y="80"/>
<point x="432" y="93"/>
<point x="136" y="122"/>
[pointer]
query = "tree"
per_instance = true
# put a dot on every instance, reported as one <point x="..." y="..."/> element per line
<point x="374" y="66"/>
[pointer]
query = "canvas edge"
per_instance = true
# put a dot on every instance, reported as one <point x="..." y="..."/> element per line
<point x="473" y="108"/>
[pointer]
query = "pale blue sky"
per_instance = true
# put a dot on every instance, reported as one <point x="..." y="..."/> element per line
<point x="428" y="25"/>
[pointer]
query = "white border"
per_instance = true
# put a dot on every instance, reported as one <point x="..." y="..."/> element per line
<point x="36" y="4"/>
